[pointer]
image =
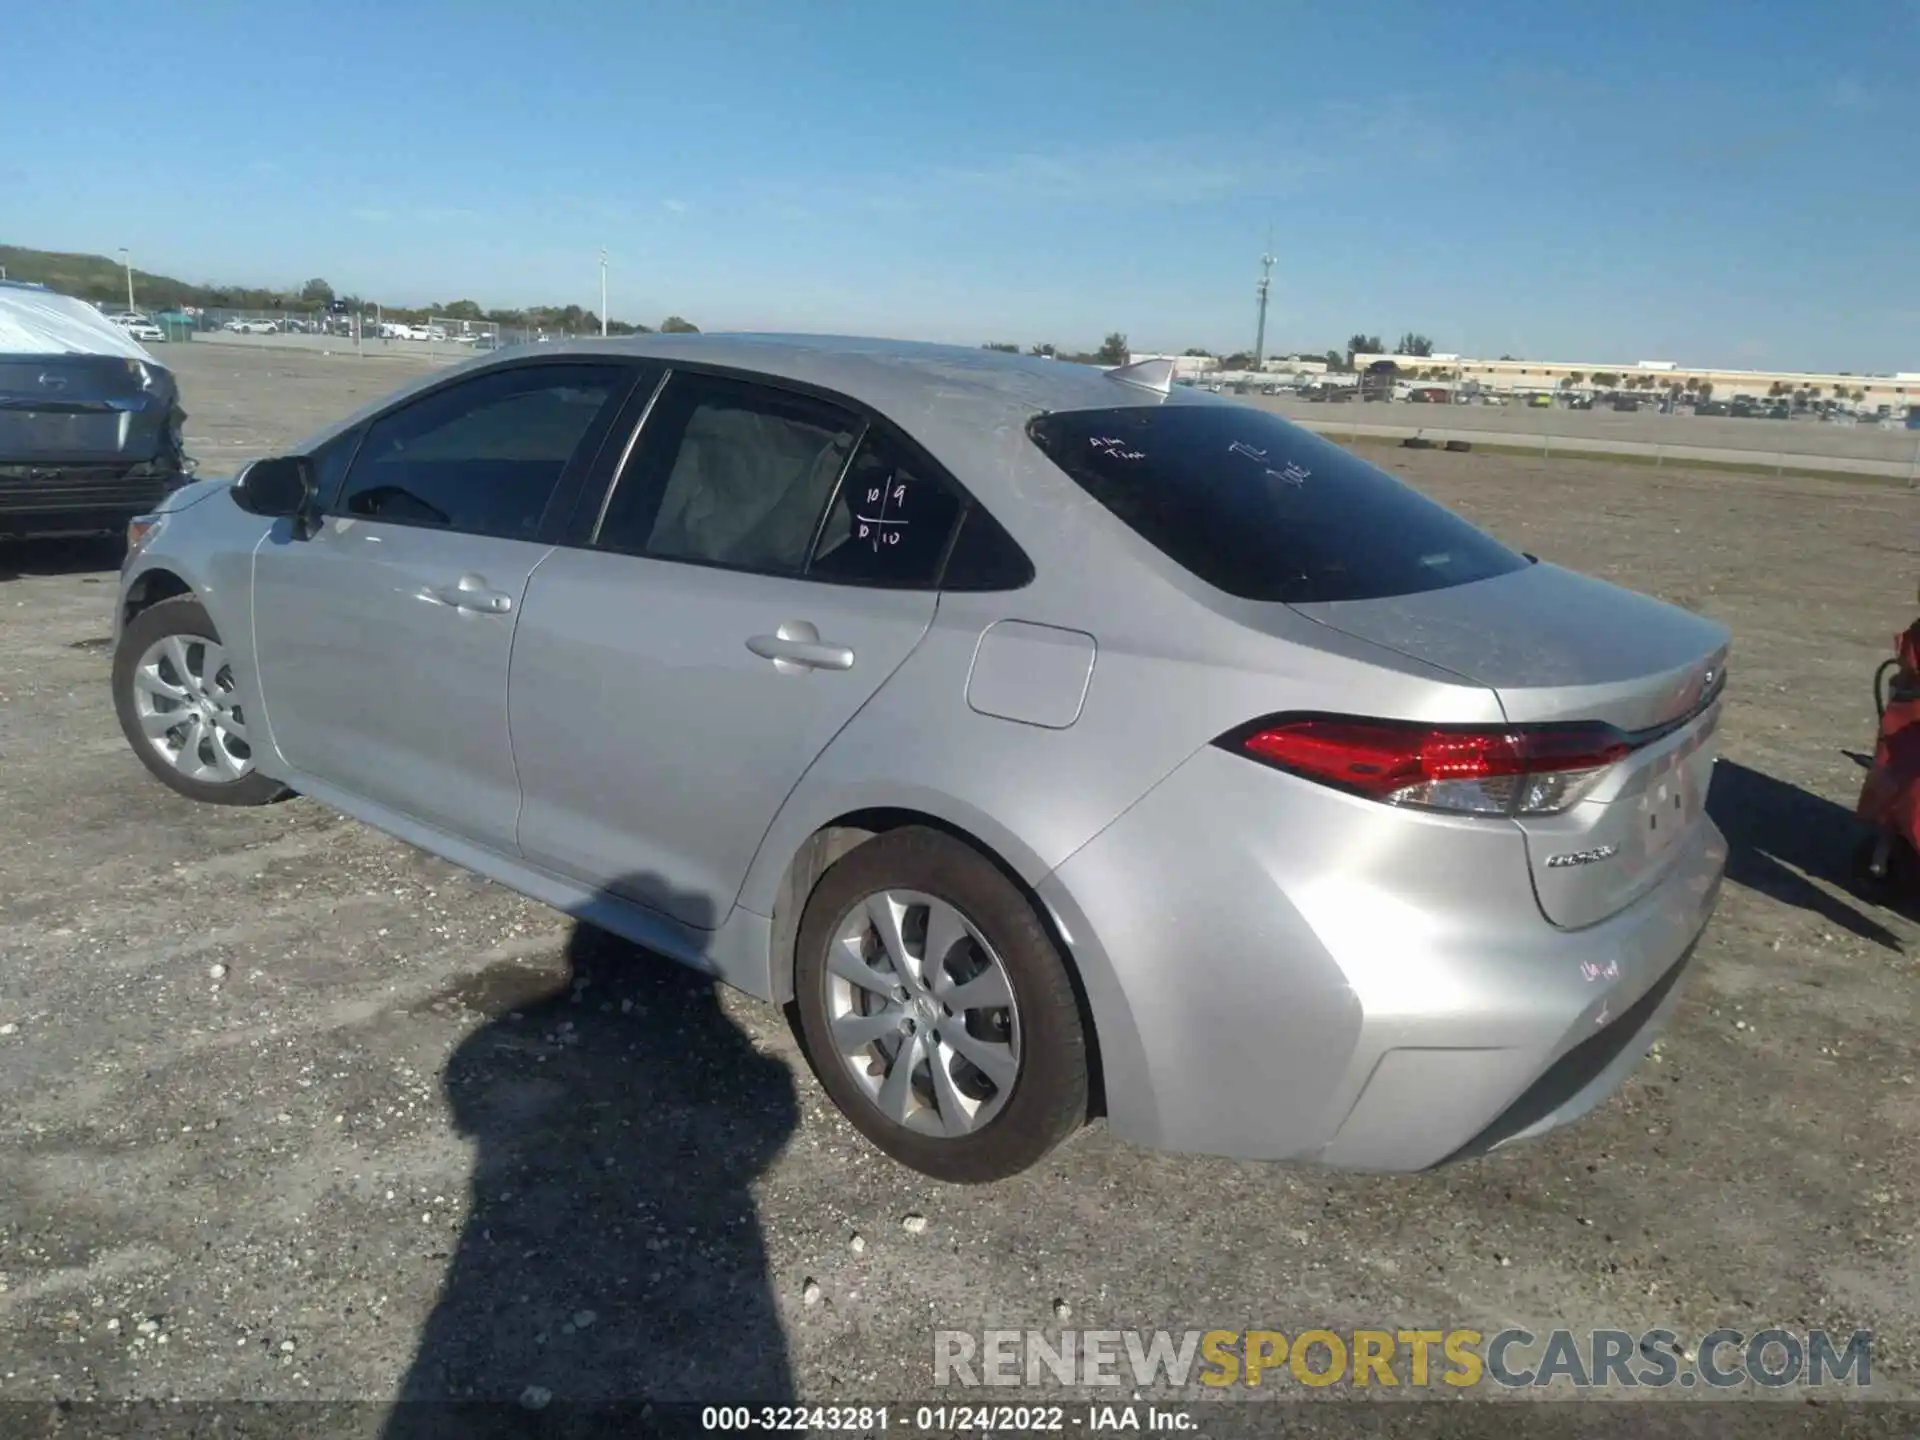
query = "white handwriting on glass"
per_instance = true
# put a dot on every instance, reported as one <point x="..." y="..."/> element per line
<point x="1292" y="473"/>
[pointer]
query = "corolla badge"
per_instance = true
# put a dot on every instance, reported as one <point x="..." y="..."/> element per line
<point x="52" y="380"/>
<point x="1582" y="857"/>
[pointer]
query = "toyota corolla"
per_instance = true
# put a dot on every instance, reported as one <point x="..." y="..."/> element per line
<point x="1057" y="742"/>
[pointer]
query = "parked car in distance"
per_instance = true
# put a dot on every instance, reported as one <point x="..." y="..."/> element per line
<point x="89" y="421"/>
<point x="1057" y="741"/>
<point x="252" y="327"/>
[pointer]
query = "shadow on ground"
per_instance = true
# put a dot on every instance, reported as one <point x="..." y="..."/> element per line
<point x="22" y="558"/>
<point x="1782" y="839"/>
<point x="612" y="1255"/>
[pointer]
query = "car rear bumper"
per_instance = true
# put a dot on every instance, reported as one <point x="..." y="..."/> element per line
<point x="1280" y="971"/>
<point x="62" y="499"/>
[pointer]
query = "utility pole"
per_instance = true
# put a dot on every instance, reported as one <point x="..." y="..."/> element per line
<point x="1266" y="284"/>
<point x="603" y="290"/>
<point x="127" y="260"/>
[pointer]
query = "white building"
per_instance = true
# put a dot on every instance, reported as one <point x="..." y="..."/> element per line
<point x="1896" y="392"/>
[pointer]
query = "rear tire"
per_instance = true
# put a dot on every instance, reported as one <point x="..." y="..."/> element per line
<point x="173" y="690"/>
<point x="996" y="1069"/>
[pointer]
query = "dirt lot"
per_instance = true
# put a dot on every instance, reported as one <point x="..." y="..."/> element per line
<point x="295" y="1111"/>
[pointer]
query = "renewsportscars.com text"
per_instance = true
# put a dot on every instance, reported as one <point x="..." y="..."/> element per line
<point x="1457" y="1358"/>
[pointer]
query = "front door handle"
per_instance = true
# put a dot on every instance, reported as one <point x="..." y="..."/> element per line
<point x="473" y="593"/>
<point x="797" y="646"/>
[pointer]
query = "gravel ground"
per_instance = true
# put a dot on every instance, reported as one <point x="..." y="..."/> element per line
<point x="295" y="1111"/>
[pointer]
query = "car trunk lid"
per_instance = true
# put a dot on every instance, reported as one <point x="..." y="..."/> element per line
<point x="1555" y="647"/>
<point x="81" y="409"/>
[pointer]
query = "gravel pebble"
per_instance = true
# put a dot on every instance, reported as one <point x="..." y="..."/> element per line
<point x="810" y="1293"/>
<point x="914" y="1224"/>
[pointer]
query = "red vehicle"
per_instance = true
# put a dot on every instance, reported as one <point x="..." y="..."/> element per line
<point x="1890" y="797"/>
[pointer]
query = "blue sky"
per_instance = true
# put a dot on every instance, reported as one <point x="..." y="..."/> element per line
<point x="1719" y="181"/>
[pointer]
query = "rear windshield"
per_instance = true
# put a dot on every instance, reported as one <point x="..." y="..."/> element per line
<point x="1263" y="509"/>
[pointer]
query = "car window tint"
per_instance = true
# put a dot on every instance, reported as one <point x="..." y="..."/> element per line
<point x="889" y="523"/>
<point x="330" y="463"/>
<point x="985" y="557"/>
<point x="729" y="473"/>
<point x="483" y="456"/>
<point x="1263" y="509"/>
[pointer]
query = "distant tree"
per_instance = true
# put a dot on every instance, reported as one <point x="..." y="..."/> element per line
<point x="1359" y="344"/>
<point x="1578" y="377"/>
<point x="461" y="310"/>
<point x="1706" y="389"/>
<point x="1778" y="388"/>
<point x="1002" y="348"/>
<point x="1814" y="391"/>
<point x="1043" y="350"/>
<point x="1202" y="354"/>
<point x="1413" y="344"/>
<point x="1507" y="357"/>
<point x="1605" y="379"/>
<point x="1239" y="360"/>
<point x="1566" y="382"/>
<point x="674" y="325"/>
<point x="1113" y="350"/>
<point x="1336" y="361"/>
<point x="316" y="293"/>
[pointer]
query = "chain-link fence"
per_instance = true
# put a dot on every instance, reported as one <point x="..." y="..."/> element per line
<point x="368" y="332"/>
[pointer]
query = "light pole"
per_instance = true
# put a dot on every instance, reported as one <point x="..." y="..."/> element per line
<point x="603" y="290"/>
<point x="127" y="261"/>
<point x="1266" y="283"/>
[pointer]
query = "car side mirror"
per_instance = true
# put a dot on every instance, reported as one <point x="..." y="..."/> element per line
<point x="277" y="488"/>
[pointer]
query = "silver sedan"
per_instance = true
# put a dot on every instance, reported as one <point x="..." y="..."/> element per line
<point x="1059" y="742"/>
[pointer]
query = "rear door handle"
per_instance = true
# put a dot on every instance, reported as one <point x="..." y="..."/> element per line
<point x="797" y="646"/>
<point x="473" y="593"/>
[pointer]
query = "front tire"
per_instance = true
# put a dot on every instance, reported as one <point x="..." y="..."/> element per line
<point x="937" y="1012"/>
<point x="173" y="689"/>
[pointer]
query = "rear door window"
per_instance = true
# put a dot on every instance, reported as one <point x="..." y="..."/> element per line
<point x="1263" y="509"/>
<point x="729" y="473"/>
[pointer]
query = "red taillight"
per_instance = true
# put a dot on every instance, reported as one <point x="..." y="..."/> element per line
<point x="1497" y="770"/>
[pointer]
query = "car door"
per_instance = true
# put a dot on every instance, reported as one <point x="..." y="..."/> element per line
<point x="763" y="562"/>
<point x="383" y="637"/>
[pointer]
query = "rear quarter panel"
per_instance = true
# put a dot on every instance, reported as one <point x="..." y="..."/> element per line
<point x="1168" y="677"/>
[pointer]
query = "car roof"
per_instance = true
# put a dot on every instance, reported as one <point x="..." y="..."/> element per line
<point x="954" y="400"/>
<point x="894" y="377"/>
